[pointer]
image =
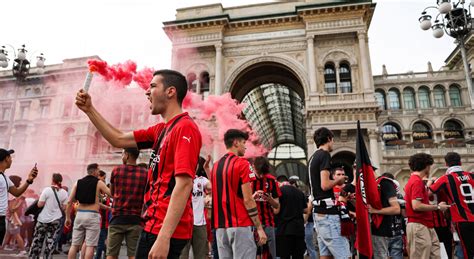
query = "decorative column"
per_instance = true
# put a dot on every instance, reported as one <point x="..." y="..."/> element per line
<point x="364" y="55"/>
<point x="448" y="99"/>
<point x="432" y="101"/>
<point x="402" y="101"/>
<point x="218" y="82"/>
<point x="374" y="151"/>
<point x="311" y="63"/>
<point x="338" y="79"/>
<point x="417" y="100"/>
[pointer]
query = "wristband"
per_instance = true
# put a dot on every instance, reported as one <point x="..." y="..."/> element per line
<point x="438" y="207"/>
<point x="29" y="181"/>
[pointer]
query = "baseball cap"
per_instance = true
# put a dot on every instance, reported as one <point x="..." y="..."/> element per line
<point x="4" y="153"/>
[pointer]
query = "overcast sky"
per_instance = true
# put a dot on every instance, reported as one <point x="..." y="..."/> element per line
<point x="118" y="30"/>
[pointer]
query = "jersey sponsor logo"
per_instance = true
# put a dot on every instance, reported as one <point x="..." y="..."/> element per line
<point x="198" y="193"/>
<point x="252" y="171"/>
<point x="154" y="160"/>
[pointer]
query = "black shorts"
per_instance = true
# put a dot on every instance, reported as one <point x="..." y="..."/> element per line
<point x="290" y="245"/>
<point x="466" y="235"/>
<point x="147" y="240"/>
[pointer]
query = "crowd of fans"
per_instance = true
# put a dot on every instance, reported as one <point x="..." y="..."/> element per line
<point x="231" y="208"/>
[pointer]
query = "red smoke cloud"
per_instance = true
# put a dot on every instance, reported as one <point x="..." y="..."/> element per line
<point x="120" y="73"/>
<point x="143" y="77"/>
<point x="215" y="116"/>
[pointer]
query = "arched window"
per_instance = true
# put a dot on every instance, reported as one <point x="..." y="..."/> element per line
<point x="421" y="130"/>
<point x="345" y="78"/>
<point x="424" y="97"/>
<point x="191" y="79"/>
<point x="394" y="98"/>
<point x="380" y="98"/>
<point x="455" y="96"/>
<point x="409" y="98"/>
<point x="391" y="132"/>
<point x="204" y="84"/>
<point x="453" y="129"/>
<point x="330" y="79"/>
<point x="439" y="97"/>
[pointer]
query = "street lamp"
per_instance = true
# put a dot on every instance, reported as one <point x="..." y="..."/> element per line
<point x="454" y="18"/>
<point x="21" y="65"/>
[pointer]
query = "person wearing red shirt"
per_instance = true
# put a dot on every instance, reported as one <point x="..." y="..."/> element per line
<point x="175" y="145"/>
<point x="422" y="239"/>
<point x="266" y="193"/>
<point x="234" y="211"/>
<point x="457" y="185"/>
<point x="336" y="173"/>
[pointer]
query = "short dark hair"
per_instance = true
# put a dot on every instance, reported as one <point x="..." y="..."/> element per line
<point x="388" y="175"/>
<point x="200" y="167"/>
<point x="232" y="135"/>
<point x="282" y="178"/>
<point x="57" y="178"/>
<point x="293" y="182"/>
<point x="133" y="152"/>
<point x="262" y="165"/>
<point x="452" y="159"/>
<point x="322" y="136"/>
<point x="420" y="161"/>
<point x="176" y="79"/>
<point x="92" y="167"/>
<point x="102" y="173"/>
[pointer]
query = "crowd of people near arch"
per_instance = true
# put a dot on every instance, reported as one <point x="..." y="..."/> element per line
<point x="228" y="206"/>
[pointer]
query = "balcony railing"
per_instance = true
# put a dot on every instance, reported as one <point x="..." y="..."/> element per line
<point x="406" y="152"/>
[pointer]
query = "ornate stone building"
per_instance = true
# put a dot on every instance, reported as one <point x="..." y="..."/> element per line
<point x="303" y="65"/>
<point x="38" y="119"/>
<point x="297" y="65"/>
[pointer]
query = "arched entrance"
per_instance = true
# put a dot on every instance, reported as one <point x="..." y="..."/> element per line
<point x="344" y="159"/>
<point x="274" y="98"/>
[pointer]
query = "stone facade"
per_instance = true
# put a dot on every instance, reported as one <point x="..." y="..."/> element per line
<point x="305" y="38"/>
<point x="296" y="44"/>
<point x="40" y="121"/>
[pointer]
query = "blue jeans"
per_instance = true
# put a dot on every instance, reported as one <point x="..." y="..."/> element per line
<point x="395" y="247"/>
<point x="330" y="241"/>
<point x="309" y="240"/>
<point x="101" y="247"/>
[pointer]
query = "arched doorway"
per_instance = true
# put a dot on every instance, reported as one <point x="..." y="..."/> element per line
<point x="344" y="159"/>
<point x="274" y="98"/>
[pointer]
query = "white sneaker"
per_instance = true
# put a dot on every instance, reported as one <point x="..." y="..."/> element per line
<point x="22" y="253"/>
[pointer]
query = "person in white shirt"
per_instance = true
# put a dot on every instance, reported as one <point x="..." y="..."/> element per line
<point x="7" y="186"/>
<point x="201" y="186"/>
<point x="53" y="201"/>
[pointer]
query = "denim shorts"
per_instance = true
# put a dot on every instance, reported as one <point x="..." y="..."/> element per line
<point x="330" y="241"/>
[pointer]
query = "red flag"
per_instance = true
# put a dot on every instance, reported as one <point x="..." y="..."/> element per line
<point x="366" y="193"/>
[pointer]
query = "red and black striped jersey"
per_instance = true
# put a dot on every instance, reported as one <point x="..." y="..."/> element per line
<point x="267" y="183"/>
<point x="176" y="146"/>
<point x="459" y="188"/>
<point x="227" y="177"/>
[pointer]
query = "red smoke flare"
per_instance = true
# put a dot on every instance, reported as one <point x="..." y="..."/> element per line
<point x="120" y="73"/>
